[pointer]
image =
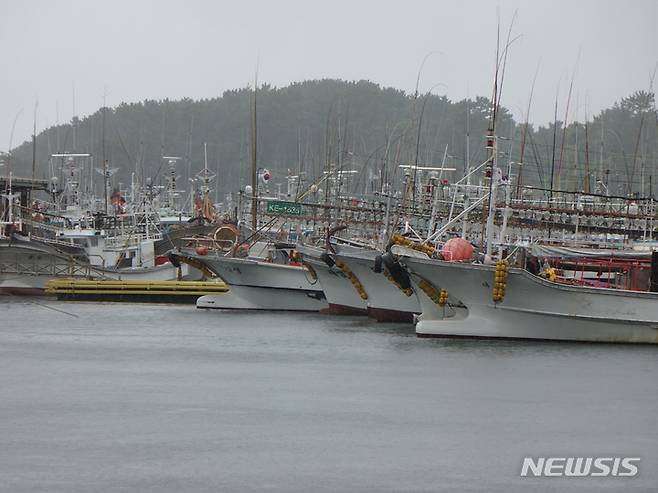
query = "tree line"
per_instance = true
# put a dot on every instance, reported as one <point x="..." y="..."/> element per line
<point x="309" y="126"/>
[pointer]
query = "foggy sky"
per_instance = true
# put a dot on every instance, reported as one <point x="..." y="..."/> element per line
<point x="142" y="49"/>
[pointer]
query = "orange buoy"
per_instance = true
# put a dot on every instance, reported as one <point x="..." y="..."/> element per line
<point x="202" y="250"/>
<point x="457" y="250"/>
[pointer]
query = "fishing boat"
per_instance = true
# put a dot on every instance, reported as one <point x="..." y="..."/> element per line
<point x="26" y="266"/>
<point x="499" y="301"/>
<point x="265" y="279"/>
<point x="340" y="290"/>
<point x="385" y="300"/>
<point x="37" y="246"/>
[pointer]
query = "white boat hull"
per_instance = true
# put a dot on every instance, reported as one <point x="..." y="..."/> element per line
<point x="341" y="296"/>
<point x="532" y="308"/>
<point x="258" y="285"/>
<point x="386" y="302"/>
<point x="26" y="269"/>
<point x="255" y="298"/>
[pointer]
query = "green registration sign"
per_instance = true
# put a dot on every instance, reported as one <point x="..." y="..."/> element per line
<point x="285" y="208"/>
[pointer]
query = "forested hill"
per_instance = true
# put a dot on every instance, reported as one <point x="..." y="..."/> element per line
<point x="307" y="125"/>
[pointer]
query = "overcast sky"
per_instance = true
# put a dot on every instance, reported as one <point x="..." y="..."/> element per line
<point x="141" y="49"/>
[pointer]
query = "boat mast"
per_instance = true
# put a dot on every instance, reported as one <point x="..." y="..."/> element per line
<point x="491" y="147"/>
<point x="467" y="166"/>
<point x="205" y="176"/>
<point x="34" y="153"/>
<point x="521" y="163"/>
<point x="564" y="125"/>
<point x="468" y="136"/>
<point x="73" y="119"/>
<point x="553" y="153"/>
<point x="34" y="143"/>
<point x="491" y="209"/>
<point x="105" y="171"/>
<point x="254" y="149"/>
<point x="587" y="169"/>
<point x="205" y="169"/>
<point x="492" y="141"/>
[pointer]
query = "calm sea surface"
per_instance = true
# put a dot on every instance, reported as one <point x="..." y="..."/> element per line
<point x="150" y="398"/>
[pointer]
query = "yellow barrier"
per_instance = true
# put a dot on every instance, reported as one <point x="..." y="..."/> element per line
<point x="133" y="287"/>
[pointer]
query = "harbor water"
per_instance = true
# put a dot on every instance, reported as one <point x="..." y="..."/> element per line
<point x="159" y="398"/>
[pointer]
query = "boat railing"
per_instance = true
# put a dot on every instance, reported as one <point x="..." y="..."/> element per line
<point x="212" y="244"/>
<point x="629" y="274"/>
<point x="127" y="241"/>
<point x="51" y="241"/>
<point x="41" y="225"/>
<point x="54" y="266"/>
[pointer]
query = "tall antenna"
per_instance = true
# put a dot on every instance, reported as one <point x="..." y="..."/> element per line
<point x="73" y="117"/>
<point x="254" y="154"/>
<point x="566" y="117"/>
<point x="217" y="184"/>
<point x="554" y="137"/>
<point x="492" y="146"/>
<point x="34" y="143"/>
<point x="105" y="170"/>
<point x="468" y="136"/>
<point x="601" y="149"/>
<point x="57" y="125"/>
<point x="205" y="157"/>
<point x="11" y="141"/>
<point x="163" y="129"/>
<point x="188" y="157"/>
<point x="587" y="170"/>
<point x="639" y="135"/>
<point x="519" y="180"/>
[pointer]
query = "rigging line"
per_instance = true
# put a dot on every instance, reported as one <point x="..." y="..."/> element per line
<point x="525" y="131"/>
<point x="508" y="44"/>
<point x="566" y="117"/>
<point x="42" y="305"/>
<point x="33" y="301"/>
<point x="540" y="165"/>
<point x="639" y="133"/>
<point x="567" y="192"/>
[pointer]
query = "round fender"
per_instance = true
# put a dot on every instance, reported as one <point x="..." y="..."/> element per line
<point x="397" y="271"/>
<point x="378" y="264"/>
<point x="173" y="258"/>
<point x="326" y="258"/>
